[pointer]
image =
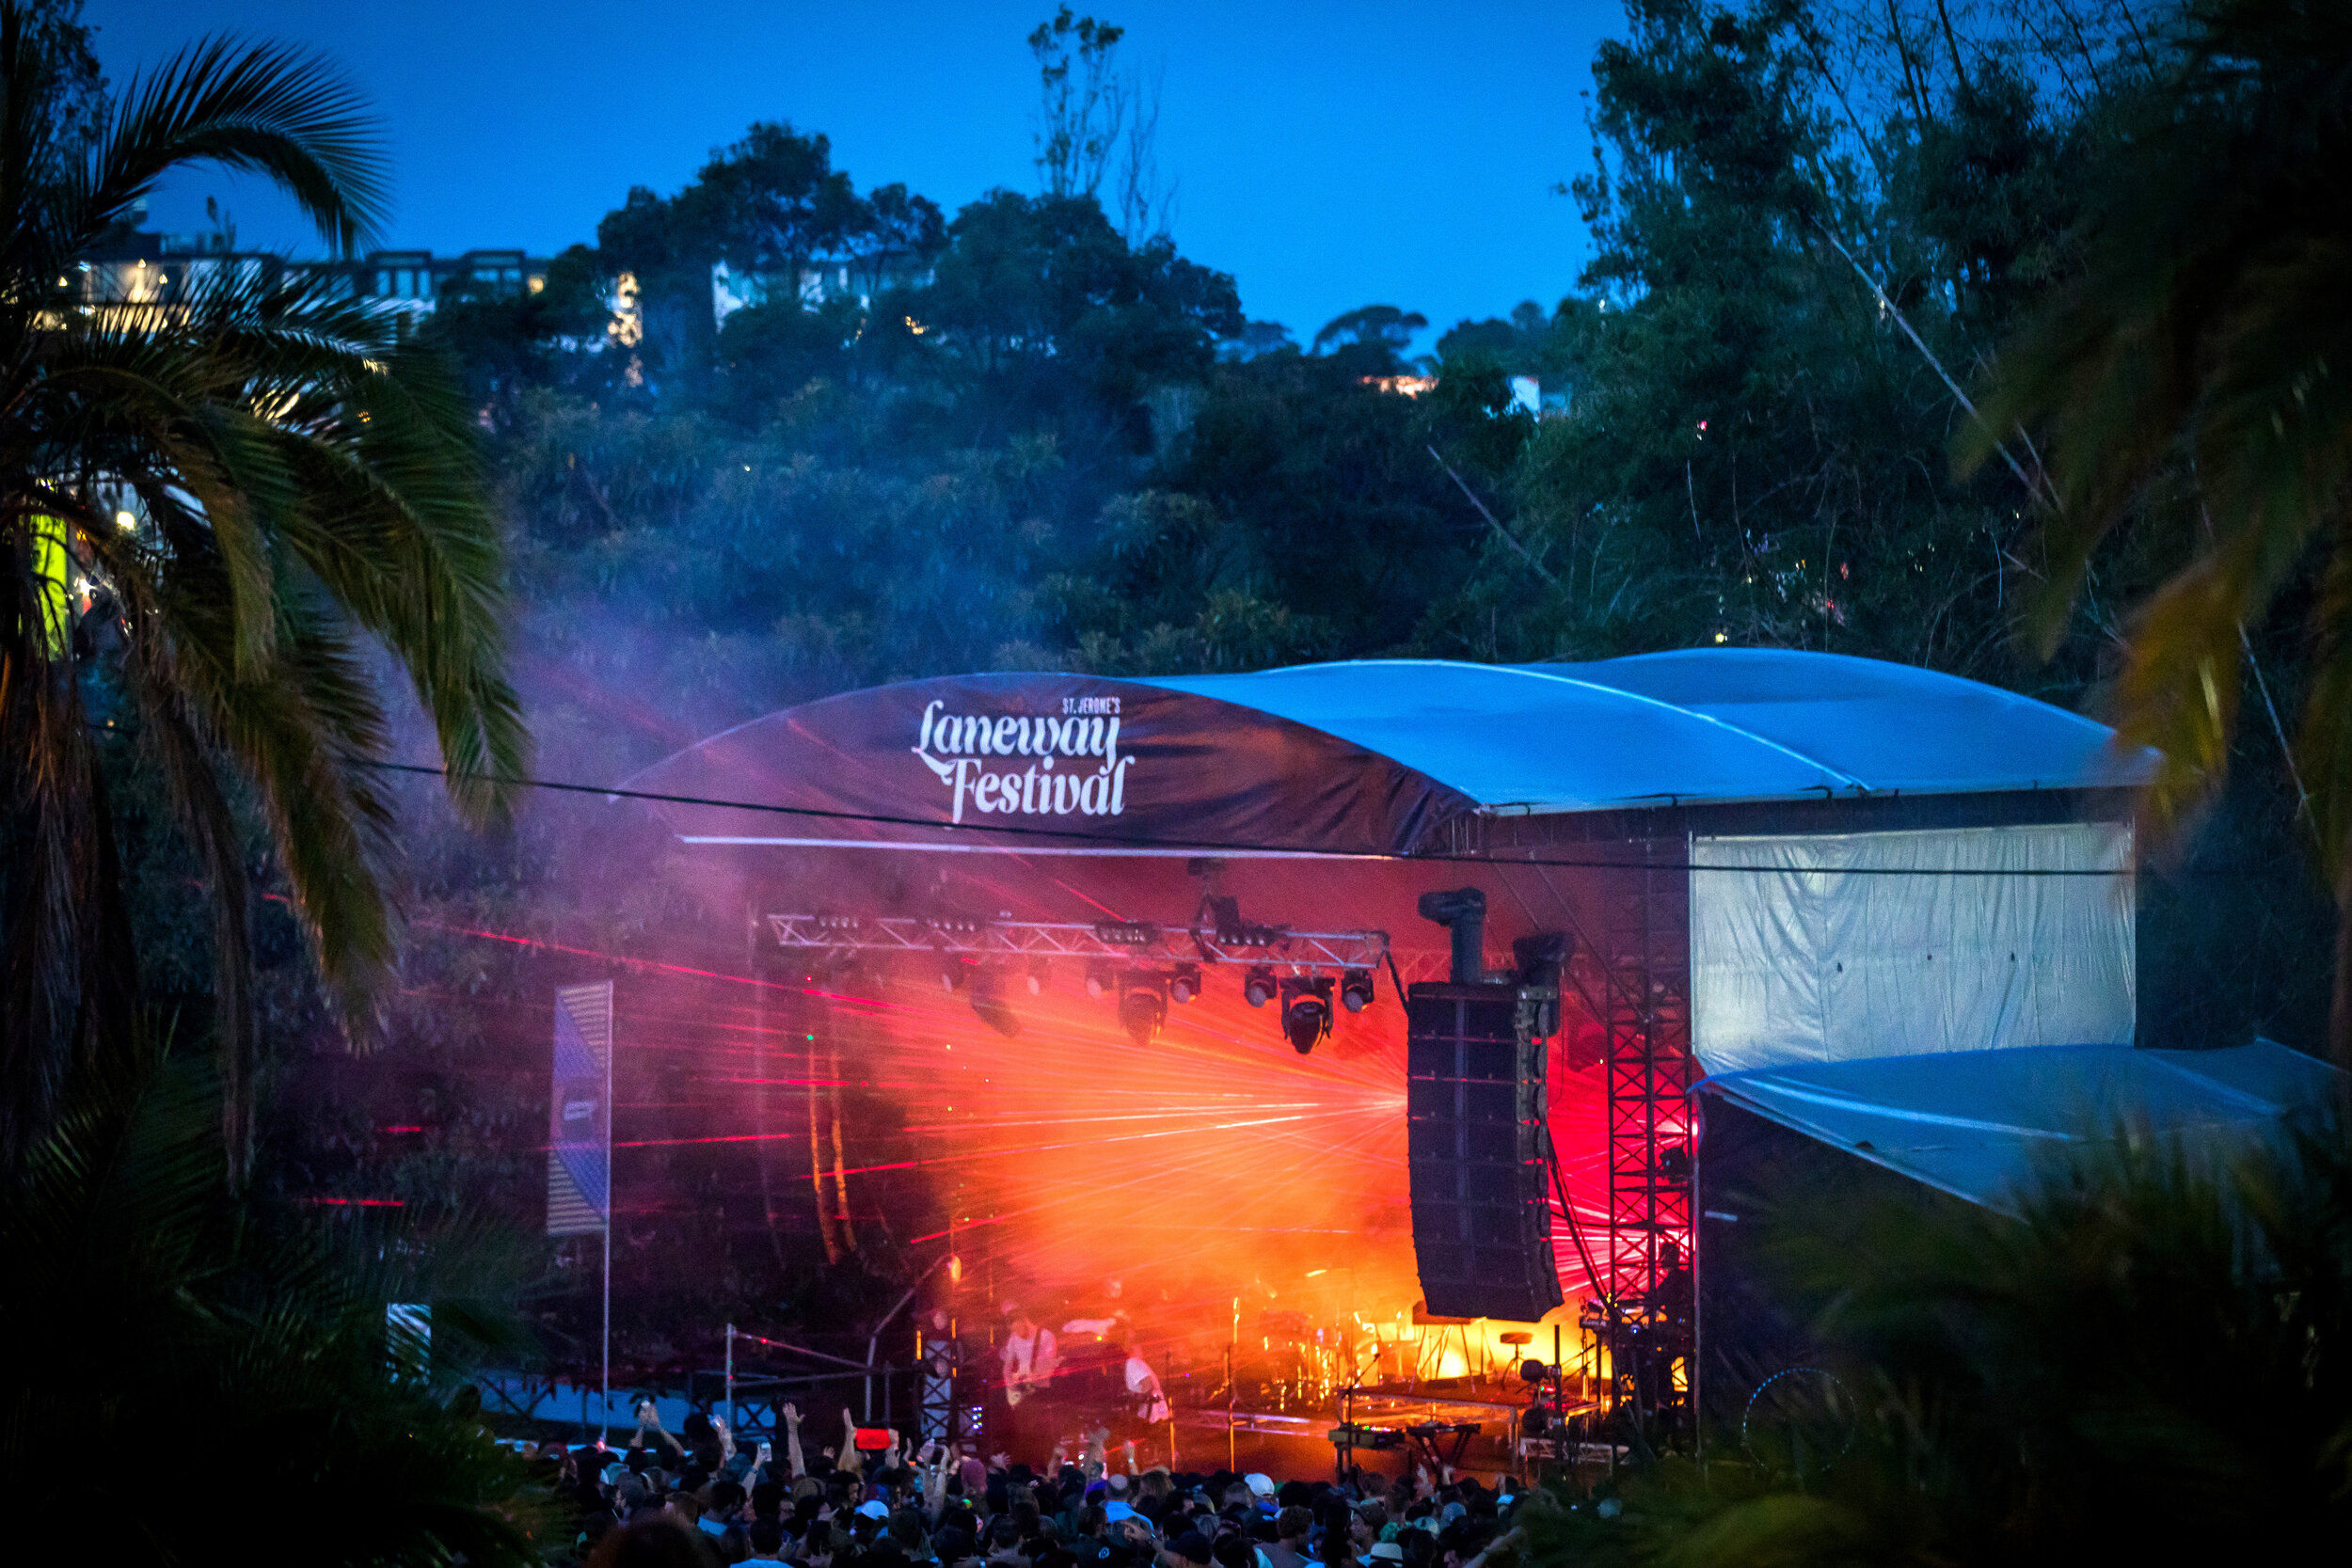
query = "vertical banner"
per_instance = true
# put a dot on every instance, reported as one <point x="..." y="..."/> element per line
<point x="579" y="1113"/>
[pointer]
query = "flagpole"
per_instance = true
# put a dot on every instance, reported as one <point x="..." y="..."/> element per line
<point x="604" y="1378"/>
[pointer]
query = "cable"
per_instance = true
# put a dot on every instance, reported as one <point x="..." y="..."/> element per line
<point x="1063" y="835"/>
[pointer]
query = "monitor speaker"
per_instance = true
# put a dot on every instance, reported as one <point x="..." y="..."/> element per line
<point x="1474" y="1120"/>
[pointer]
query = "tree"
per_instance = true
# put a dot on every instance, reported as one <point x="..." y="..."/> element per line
<point x="2186" y="382"/>
<point x="1084" y="102"/>
<point x="243" y="487"/>
<point x="149" y="1298"/>
<point x="1041" y="298"/>
<point x="1378" y="334"/>
<point x="2010" y="1385"/>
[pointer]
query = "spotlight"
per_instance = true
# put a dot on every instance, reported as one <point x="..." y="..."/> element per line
<point x="1100" y="981"/>
<point x="1142" y="1005"/>
<point x="1040" y="976"/>
<point x="1356" y="990"/>
<point x="989" y="1005"/>
<point x="1305" y="1012"/>
<point x="1184" y="983"/>
<point x="1257" y="987"/>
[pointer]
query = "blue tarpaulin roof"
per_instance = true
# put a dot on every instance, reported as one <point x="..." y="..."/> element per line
<point x="1696" y="725"/>
<point x="1978" y="1124"/>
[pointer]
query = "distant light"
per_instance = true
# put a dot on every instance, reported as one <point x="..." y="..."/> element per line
<point x="126" y="521"/>
<point x="1723" y="637"/>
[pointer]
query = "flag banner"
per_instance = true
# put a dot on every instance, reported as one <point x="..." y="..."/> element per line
<point x="579" y="1113"/>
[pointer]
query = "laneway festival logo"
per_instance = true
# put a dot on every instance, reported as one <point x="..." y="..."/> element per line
<point x="1058" y="783"/>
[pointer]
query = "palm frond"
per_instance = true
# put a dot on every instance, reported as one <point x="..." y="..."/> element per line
<point x="257" y="108"/>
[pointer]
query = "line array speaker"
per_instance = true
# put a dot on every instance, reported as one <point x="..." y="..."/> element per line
<point x="1474" y="1131"/>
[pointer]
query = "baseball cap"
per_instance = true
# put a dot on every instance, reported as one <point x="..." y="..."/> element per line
<point x="873" y="1508"/>
<point x="1260" y="1485"/>
<point x="1387" y="1551"/>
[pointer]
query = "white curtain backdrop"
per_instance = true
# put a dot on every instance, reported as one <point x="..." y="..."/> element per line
<point x="1814" y="951"/>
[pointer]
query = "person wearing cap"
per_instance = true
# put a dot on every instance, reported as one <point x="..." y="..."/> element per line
<point x="1261" y="1491"/>
<point x="1383" y="1554"/>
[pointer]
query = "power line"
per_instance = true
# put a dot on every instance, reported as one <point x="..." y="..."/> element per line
<point x="1063" y="836"/>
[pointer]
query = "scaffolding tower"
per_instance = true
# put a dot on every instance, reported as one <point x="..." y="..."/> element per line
<point x="1646" y="1012"/>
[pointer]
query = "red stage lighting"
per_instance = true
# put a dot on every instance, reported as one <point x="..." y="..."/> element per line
<point x="1305" y="1012"/>
<point x="989" y="1005"/>
<point x="1184" y="984"/>
<point x="1356" y="990"/>
<point x="1142" y="1005"/>
<point x="1257" y="987"/>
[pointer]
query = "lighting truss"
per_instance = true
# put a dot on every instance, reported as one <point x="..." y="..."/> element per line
<point x="1127" y="942"/>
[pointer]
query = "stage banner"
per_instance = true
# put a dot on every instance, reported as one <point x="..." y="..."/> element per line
<point x="1068" y="762"/>
<point x="579" y="1113"/>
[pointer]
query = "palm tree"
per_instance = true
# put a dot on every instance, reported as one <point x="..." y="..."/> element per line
<point x="2196" y="371"/>
<point x="149" y="1306"/>
<point x="256" y="485"/>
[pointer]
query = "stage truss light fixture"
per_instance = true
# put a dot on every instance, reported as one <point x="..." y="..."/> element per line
<point x="953" y="975"/>
<point x="1101" y="982"/>
<point x="1356" y="990"/>
<point x="1258" y="986"/>
<point x="989" y="1005"/>
<point x="1142" y="1005"/>
<point x="1305" y="1012"/>
<point x="1183" y="983"/>
<point x="1041" y="978"/>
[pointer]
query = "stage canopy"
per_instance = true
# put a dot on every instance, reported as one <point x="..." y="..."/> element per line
<point x="1365" y="757"/>
<point x="1978" y="1124"/>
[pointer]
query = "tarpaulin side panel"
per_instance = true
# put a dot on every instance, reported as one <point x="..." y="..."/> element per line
<point x="1081" y="760"/>
<point x="1835" y="947"/>
<point x="1981" y="1124"/>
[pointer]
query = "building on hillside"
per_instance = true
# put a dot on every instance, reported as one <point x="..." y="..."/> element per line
<point x="820" y="281"/>
<point x="159" y="269"/>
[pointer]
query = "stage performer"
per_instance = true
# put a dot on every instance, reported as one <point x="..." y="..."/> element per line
<point x="1029" y="1358"/>
<point x="1146" y="1403"/>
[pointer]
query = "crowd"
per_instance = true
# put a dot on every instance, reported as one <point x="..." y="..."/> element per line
<point x="707" y="1501"/>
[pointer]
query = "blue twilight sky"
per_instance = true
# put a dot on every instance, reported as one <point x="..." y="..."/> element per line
<point x="1328" y="155"/>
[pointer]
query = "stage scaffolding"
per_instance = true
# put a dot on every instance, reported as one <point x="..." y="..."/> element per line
<point x="1647" y="1013"/>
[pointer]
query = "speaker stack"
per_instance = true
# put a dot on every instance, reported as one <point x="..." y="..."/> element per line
<point x="1476" y="1059"/>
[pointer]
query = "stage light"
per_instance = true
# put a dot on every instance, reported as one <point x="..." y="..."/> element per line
<point x="1257" y="987"/>
<point x="1100" y="981"/>
<point x="1040" y="976"/>
<point x="989" y="1006"/>
<point x="952" y="975"/>
<point x="1356" y="990"/>
<point x="1305" y="1012"/>
<point x="1184" y="984"/>
<point x="1142" y="1005"/>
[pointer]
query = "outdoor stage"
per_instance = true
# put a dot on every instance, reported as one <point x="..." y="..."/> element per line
<point x="1080" y="1001"/>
